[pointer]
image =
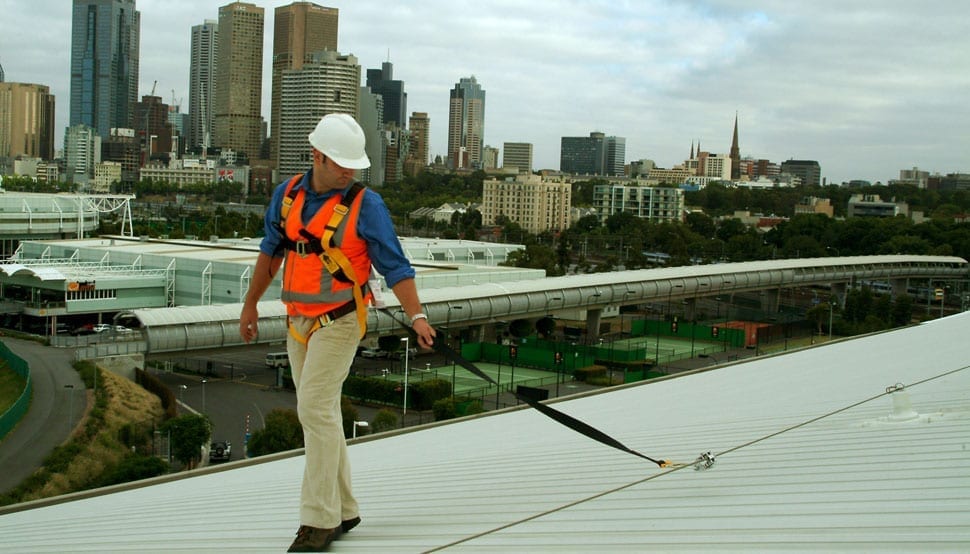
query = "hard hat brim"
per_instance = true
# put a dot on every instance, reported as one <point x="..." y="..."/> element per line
<point x="348" y="163"/>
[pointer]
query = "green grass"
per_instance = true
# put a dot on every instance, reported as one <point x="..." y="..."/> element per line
<point x="11" y="387"/>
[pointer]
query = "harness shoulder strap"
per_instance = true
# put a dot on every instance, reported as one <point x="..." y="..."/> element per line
<point x="288" y="199"/>
<point x="336" y="262"/>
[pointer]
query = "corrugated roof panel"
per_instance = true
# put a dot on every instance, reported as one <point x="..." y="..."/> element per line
<point x="807" y="459"/>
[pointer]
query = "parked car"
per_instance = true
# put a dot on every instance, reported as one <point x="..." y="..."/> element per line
<point x="87" y="329"/>
<point x="101" y="327"/>
<point x="121" y="329"/>
<point x="373" y="353"/>
<point x="220" y="451"/>
<point x="277" y="359"/>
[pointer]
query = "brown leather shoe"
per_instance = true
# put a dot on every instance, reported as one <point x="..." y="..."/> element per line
<point x="348" y="524"/>
<point x="313" y="539"/>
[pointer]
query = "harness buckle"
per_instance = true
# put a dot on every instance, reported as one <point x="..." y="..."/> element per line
<point x="301" y="248"/>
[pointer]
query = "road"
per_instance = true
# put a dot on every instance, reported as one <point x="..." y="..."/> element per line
<point x="243" y="390"/>
<point x="58" y="403"/>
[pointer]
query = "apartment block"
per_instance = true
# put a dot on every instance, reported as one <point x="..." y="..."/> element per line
<point x="640" y="199"/>
<point x="537" y="204"/>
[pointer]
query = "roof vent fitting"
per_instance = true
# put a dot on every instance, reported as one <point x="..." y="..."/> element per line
<point x="902" y="405"/>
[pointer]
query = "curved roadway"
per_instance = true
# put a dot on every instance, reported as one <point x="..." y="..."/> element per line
<point x="49" y="420"/>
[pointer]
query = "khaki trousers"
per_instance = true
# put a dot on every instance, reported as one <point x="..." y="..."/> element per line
<point x="319" y="369"/>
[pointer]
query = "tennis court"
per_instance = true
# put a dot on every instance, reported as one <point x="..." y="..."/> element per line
<point x="465" y="381"/>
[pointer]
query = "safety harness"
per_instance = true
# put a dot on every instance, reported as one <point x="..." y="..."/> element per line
<point x="334" y="260"/>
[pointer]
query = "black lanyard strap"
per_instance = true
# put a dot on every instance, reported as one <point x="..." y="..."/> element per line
<point x="560" y="417"/>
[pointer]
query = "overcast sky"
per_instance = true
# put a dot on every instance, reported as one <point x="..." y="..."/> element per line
<point x="866" y="88"/>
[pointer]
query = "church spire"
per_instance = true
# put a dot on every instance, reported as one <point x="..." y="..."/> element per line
<point x="691" y="150"/>
<point x="735" y="152"/>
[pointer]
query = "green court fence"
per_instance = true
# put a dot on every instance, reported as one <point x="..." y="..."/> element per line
<point x="10" y="418"/>
<point x="731" y="338"/>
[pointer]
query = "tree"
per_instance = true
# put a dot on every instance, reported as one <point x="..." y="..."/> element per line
<point x="189" y="433"/>
<point x="902" y="310"/>
<point x="384" y="420"/>
<point x="282" y="432"/>
<point x="536" y="256"/>
<point x="701" y="223"/>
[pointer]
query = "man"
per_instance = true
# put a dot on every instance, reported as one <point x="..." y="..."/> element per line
<point x="329" y="231"/>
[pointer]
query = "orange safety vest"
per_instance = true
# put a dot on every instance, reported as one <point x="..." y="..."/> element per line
<point x="309" y="288"/>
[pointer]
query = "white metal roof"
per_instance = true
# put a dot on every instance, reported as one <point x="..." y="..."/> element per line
<point x="808" y="459"/>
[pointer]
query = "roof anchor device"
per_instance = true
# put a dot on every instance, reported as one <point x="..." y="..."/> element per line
<point x="704" y="462"/>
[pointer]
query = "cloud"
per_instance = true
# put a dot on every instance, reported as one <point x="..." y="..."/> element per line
<point x="865" y="88"/>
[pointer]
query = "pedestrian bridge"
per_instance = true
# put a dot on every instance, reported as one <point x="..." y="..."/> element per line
<point x="197" y="327"/>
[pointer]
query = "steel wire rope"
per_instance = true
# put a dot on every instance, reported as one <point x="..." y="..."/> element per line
<point x="677" y="467"/>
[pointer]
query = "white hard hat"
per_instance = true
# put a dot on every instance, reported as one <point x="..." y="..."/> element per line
<point x="340" y="138"/>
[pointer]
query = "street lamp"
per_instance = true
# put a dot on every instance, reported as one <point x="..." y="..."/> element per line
<point x="181" y="395"/>
<point x="203" y="396"/>
<point x="831" y="305"/>
<point x="727" y="312"/>
<point x="589" y="301"/>
<point x="361" y="424"/>
<point x="448" y="336"/>
<point x="693" y="322"/>
<point x="406" y="341"/>
<point x="670" y="292"/>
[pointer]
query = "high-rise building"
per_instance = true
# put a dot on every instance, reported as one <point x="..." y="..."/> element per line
<point x="517" y="155"/>
<point x="807" y="170"/>
<point x="582" y="155"/>
<point x="614" y="156"/>
<point x="419" y="126"/>
<point x="104" y="64"/>
<point x="1" y="73"/>
<point x="535" y="203"/>
<point x="596" y="154"/>
<point x="381" y="81"/>
<point x="82" y="151"/>
<point x="26" y="121"/>
<point x="395" y="152"/>
<point x="328" y="83"/>
<point x="370" y="116"/>
<point x="179" y="123"/>
<point x="202" y="78"/>
<point x="466" y="124"/>
<point x="299" y="30"/>
<point x="121" y="145"/>
<point x="152" y="127"/>
<point x="489" y="158"/>
<point x="239" y="79"/>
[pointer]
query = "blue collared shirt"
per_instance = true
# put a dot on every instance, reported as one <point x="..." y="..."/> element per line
<point x="374" y="226"/>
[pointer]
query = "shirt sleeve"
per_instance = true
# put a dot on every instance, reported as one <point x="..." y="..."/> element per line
<point x="374" y="225"/>
<point x="270" y="245"/>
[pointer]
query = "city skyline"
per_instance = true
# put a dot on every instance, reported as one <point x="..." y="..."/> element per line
<point x="864" y="90"/>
